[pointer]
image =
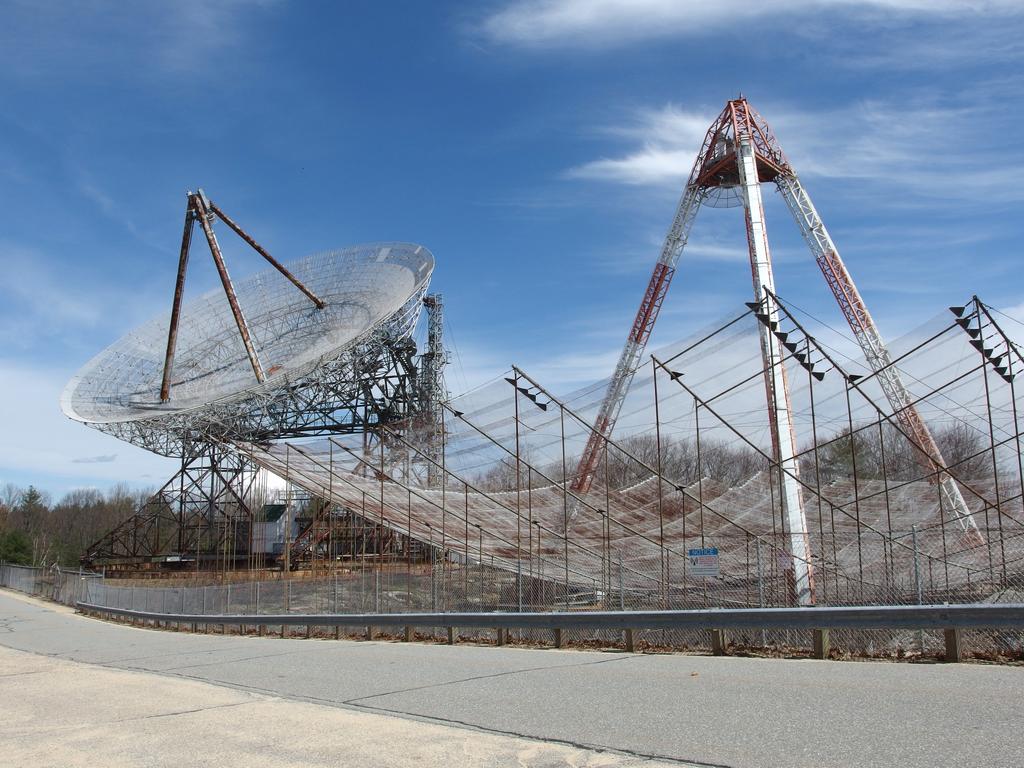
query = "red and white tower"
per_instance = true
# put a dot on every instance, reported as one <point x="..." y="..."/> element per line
<point x="738" y="154"/>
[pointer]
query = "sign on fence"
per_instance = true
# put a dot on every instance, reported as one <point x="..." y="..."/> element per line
<point x="704" y="561"/>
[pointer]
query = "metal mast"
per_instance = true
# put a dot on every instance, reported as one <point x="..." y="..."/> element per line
<point x="432" y="390"/>
<point x="650" y="305"/>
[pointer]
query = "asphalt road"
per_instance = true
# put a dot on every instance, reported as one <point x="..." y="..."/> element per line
<point x="694" y="709"/>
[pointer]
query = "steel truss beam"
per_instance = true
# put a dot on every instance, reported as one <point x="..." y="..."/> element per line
<point x="373" y="382"/>
<point x="870" y="341"/>
<point x="204" y="512"/>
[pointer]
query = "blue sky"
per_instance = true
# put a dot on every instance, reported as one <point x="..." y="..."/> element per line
<point x="536" y="147"/>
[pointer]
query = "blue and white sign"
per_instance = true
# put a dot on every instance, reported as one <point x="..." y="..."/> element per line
<point x="704" y="561"/>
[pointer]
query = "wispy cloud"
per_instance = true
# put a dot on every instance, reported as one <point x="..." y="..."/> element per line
<point x="103" y="459"/>
<point x="71" y="39"/>
<point x="664" y="143"/>
<point x="930" y="149"/>
<point x="605" y="23"/>
<point x="41" y="308"/>
<point x="33" y="293"/>
<point x="39" y="441"/>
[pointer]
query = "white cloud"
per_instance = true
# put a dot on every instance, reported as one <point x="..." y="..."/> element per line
<point x="69" y="39"/>
<point x="35" y="303"/>
<point x="669" y="139"/>
<point x="931" y="150"/>
<point x="602" y="23"/>
<point x="38" y="440"/>
<point x="39" y="306"/>
<point x="652" y="164"/>
<point x="104" y="459"/>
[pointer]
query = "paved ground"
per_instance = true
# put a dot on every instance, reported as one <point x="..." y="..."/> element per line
<point x="68" y="714"/>
<point x="696" y="709"/>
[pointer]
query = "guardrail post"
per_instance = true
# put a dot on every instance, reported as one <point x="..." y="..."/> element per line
<point x="719" y="641"/>
<point x="499" y="638"/>
<point x="558" y="638"/>
<point x="630" y="648"/>
<point x="369" y="632"/>
<point x="954" y="651"/>
<point x="337" y="632"/>
<point x="309" y="631"/>
<point x="451" y="635"/>
<point x="407" y="636"/>
<point x="261" y="630"/>
<point x="822" y="643"/>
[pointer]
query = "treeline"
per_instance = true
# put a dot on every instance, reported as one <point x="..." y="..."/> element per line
<point x="34" y="530"/>
<point x="886" y="453"/>
<point x="868" y="452"/>
<point x="731" y="464"/>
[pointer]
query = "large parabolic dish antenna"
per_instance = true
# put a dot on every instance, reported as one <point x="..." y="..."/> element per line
<point x="370" y="292"/>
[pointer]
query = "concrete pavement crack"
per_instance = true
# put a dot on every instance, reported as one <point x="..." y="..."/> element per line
<point x="533" y="737"/>
<point x="452" y="722"/>
<point x="488" y="677"/>
<point x="214" y="663"/>
<point x="186" y="711"/>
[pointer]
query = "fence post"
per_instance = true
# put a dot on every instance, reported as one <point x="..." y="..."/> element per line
<point x="954" y="650"/>
<point x="822" y="643"/>
<point x="719" y="641"/>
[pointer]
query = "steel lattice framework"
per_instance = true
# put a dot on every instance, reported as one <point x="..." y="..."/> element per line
<point x="321" y="346"/>
<point x="335" y="366"/>
<point x="740" y="152"/>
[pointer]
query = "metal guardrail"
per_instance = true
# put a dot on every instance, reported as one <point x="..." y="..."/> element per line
<point x="949" y="618"/>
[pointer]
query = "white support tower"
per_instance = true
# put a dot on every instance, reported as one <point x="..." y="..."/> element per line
<point x="776" y="384"/>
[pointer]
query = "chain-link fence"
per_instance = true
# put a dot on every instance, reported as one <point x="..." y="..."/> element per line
<point x="455" y="589"/>
<point x="61" y="585"/>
